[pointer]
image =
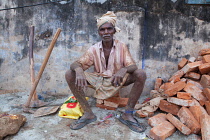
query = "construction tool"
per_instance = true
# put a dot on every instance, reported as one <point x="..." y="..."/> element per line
<point x="50" y="48"/>
<point x="35" y="102"/>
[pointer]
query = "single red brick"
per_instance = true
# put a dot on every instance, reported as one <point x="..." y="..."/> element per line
<point x="206" y="92"/>
<point x="197" y="84"/>
<point x="178" y="124"/>
<point x="166" y="86"/>
<point x="105" y="107"/>
<point x="180" y="102"/>
<point x="193" y="75"/>
<point x="207" y="105"/>
<point x="158" y="83"/>
<point x="162" y="131"/>
<point x="188" y="119"/>
<point x="182" y="63"/>
<point x="204" y="68"/>
<point x="204" y="52"/>
<point x="178" y="86"/>
<point x="123" y="102"/>
<point x="169" y="107"/>
<point x="205" y="127"/>
<point x="206" y="59"/>
<point x="195" y="92"/>
<point x="196" y="111"/>
<point x="157" y="119"/>
<point x="184" y="95"/>
<point x="205" y="81"/>
<point x="191" y="66"/>
<point x="110" y="104"/>
<point x="176" y="76"/>
<point x="201" y="107"/>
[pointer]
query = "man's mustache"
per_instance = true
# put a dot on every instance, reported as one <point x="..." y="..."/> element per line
<point x="106" y="36"/>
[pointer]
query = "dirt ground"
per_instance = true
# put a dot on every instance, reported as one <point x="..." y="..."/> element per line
<point x="53" y="127"/>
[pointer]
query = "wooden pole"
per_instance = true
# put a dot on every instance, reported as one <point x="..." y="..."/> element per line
<point x="31" y="60"/>
<point x="50" y="48"/>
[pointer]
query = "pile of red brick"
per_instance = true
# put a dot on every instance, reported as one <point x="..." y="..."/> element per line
<point x="188" y="100"/>
<point x="112" y="103"/>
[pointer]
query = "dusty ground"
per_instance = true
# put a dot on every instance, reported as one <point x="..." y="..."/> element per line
<point x="53" y="127"/>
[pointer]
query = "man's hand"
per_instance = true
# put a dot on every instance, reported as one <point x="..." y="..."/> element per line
<point x="80" y="80"/>
<point x="117" y="78"/>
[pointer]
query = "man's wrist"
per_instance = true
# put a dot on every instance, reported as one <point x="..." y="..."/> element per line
<point x="78" y="69"/>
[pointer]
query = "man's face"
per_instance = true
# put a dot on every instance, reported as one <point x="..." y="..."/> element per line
<point x="106" y="31"/>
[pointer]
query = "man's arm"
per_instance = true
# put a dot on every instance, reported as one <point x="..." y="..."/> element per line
<point x="80" y="80"/>
<point x="117" y="78"/>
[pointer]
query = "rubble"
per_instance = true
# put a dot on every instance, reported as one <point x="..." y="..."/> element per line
<point x="10" y="124"/>
<point x="186" y="100"/>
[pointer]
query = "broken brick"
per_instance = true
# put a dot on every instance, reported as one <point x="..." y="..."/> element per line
<point x="189" y="120"/>
<point x="176" y="76"/>
<point x="191" y="66"/>
<point x="158" y="83"/>
<point x="172" y="90"/>
<point x="206" y="59"/>
<point x="184" y="95"/>
<point x="205" y="81"/>
<point x="169" y="107"/>
<point x="99" y="101"/>
<point x="207" y="105"/>
<point x="182" y="63"/>
<point x="195" y="92"/>
<point x="204" y="52"/>
<point x="204" y="68"/>
<point x="206" y="92"/>
<point x="193" y="75"/>
<point x="143" y="114"/>
<point x="162" y="131"/>
<point x="205" y="125"/>
<point x="180" y="102"/>
<point x="157" y="119"/>
<point x="178" y="124"/>
<point x="197" y="84"/>
<point x="105" y="107"/>
<point x="196" y="111"/>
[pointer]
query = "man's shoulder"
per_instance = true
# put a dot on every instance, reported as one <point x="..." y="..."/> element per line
<point x="96" y="45"/>
<point x="119" y="43"/>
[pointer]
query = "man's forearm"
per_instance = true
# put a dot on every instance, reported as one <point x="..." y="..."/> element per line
<point x="131" y="68"/>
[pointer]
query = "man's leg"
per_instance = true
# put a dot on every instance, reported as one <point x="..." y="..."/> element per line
<point x="138" y="77"/>
<point x="80" y="96"/>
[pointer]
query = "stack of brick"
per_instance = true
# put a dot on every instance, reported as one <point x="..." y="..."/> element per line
<point x="188" y="99"/>
<point x="112" y="103"/>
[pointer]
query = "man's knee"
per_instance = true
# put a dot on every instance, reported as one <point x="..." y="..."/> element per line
<point x="69" y="75"/>
<point x="140" y="75"/>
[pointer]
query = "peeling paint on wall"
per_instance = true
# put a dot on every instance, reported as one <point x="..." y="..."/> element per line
<point x="158" y="33"/>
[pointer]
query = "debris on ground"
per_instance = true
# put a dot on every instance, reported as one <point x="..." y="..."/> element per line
<point x="10" y="124"/>
<point x="186" y="100"/>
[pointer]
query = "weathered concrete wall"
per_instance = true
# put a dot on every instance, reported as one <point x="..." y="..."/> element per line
<point x="158" y="33"/>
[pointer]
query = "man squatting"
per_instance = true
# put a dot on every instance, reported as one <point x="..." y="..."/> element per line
<point x="114" y="67"/>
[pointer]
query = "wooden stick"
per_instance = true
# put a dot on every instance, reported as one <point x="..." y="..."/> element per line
<point x="31" y="60"/>
<point x="50" y="48"/>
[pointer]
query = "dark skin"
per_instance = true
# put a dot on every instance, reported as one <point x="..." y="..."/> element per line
<point x="77" y="82"/>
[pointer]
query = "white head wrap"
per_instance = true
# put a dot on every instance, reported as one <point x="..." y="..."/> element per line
<point x="109" y="17"/>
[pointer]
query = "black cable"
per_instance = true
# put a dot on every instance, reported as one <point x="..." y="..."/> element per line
<point x="30" y="5"/>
